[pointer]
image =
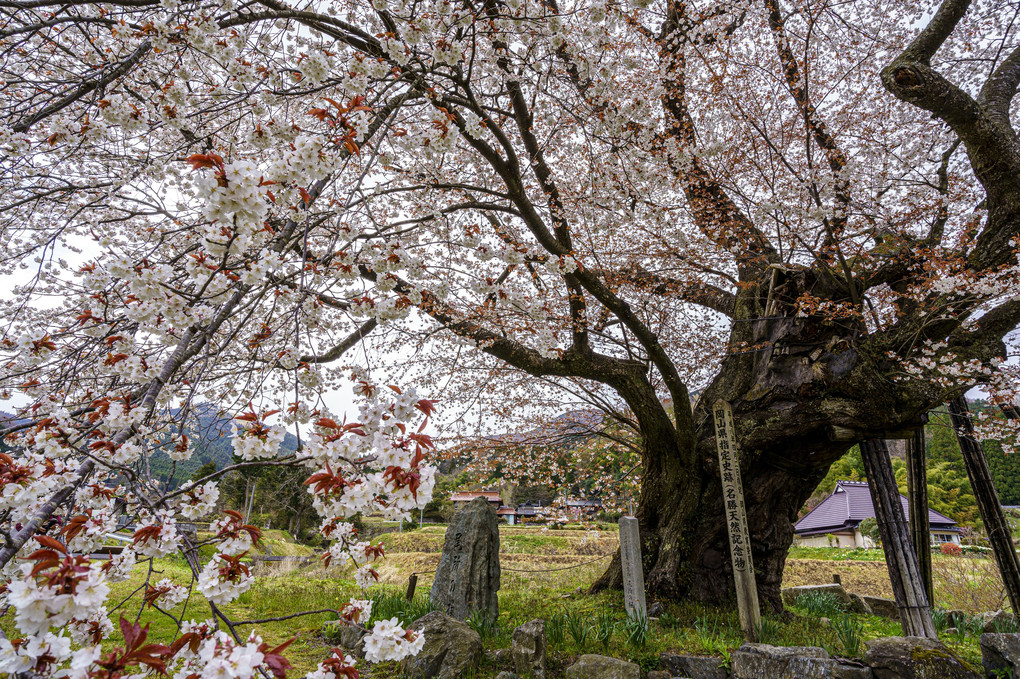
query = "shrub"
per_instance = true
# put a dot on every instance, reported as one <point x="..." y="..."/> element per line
<point x="820" y="604"/>
<point x="951" y="549"/>
<point x="850" y="631"/>
<point x="555" y="627"/>
<point x="636" y="628"/>
<point x="483" y="623"/>
<point x="577" y="625"/>
<point x="768" y="631"/>
<point x="603" y="629"/>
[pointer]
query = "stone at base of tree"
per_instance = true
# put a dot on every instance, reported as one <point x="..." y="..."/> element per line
<point x="885" y="608"/>
<point x="693" y="666"/>
<point x="348" y="637"/>
<point x="655" y="609"/>
<point x="528" y="649"/>
<point x="854" y="603"/>
<point x="761" y="661"/>
<point x="916" y="658"/>
<point x="1001" y="653"/>
<point x="858" y="604"/>
<point x="949" y="631"/>
<point x="451" y="650"/>
<point x="956" y="617"/>
<point x="603" y="667"/>
<point x="996" y="621"/>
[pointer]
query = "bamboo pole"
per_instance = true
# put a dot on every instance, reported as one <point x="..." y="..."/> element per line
<point x="915" y="613"/>
<point x="999" y="534"/>
<point x="917" y="494"/>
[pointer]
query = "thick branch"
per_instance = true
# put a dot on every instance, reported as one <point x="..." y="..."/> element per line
<point x="348" y="343"/>
<point x="999" y="90"/>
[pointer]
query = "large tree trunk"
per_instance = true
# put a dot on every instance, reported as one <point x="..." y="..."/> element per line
<point x="798" y="407"/>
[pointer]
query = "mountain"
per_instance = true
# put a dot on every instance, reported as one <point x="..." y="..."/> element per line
<point x="210" y="440"/>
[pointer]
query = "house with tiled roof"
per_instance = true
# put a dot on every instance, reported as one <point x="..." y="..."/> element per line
<point x="836" y="521"/>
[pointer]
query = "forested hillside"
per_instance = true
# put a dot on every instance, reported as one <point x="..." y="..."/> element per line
<point x="209" y="435"/>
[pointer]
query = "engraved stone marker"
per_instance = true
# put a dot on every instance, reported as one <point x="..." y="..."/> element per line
<point x="467" y="578"/>
<point x="736" y="520"/>
<point x="630" y="563"/>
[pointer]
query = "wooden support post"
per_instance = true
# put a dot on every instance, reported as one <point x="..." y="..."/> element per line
<point x="736" y="521"/>
<point x="915" y="614"/>
<point x="633" y="573"/>
<point x="412" y="583"/>
<point x="999" y="535"/>
<point x="917" y="494"/>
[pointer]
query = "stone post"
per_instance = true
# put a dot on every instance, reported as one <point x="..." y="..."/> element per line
<point x="630" y="564"/>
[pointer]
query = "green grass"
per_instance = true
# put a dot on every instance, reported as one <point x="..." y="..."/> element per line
<point x="836" y="554"/>
<point x="576" y="622"/>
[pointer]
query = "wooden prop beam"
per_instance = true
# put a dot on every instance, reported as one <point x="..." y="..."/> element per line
<point x="999" y="534"/>
<point x="904" y="575"/>
<point x="917" y="494"/>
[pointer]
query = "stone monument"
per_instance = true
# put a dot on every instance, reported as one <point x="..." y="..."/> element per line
<point x="467" y="578"/>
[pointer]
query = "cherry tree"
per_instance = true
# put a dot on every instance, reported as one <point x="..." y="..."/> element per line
<point x="164" y="185"/>
<point x="805" y="208"/>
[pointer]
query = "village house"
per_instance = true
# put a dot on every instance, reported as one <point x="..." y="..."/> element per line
<point x="461" y="498"/>
<point x="836" y="521"/>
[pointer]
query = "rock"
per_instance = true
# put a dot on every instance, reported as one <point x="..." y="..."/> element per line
<point x="467" y="577"/>
<point x="761" y="661"/>
<point x="951" y="630"/>
<point x="791" y="594"/>
<point x="824" y="622"/>
<point x="603" y="667"/>
<point x="507" y="675"/>
<point x="996" y="621"/>
<point x="528" y="649"/>
<point x="655" y="609"/>
<point x="915" y="658"/>
<point x="659" y="674"/>
<point x="885" y="608"/>
<point x="858" y="605"/>
<point x="1001" y="653"/>
<point x="693" y="666"/>
<point x="848" y="669"/>
<point x="452" y="649"/>
<point x="956" y="617"/>
<point x="348" y="637"/>
<point x="500" y="656"/>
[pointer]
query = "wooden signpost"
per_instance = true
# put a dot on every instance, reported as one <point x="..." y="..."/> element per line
<point x="736" y="520"/>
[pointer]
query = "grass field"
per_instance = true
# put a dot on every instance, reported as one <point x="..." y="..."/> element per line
<point x="544" y="575"/>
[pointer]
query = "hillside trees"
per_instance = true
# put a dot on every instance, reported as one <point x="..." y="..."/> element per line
<point x="808" y="209"/>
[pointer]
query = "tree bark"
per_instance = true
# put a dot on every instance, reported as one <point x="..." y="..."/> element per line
<point x="908" y="588"/>
<point x="917" y="494"/>
<point x="987" y="498"/>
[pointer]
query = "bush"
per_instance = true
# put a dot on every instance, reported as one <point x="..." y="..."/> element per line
<point x="850" y="632"/>
<point x="820" y="604"/>
<point x="951" y="549"/>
